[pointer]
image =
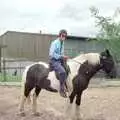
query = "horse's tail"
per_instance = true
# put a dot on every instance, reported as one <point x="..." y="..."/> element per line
<point x="23" y="81"/>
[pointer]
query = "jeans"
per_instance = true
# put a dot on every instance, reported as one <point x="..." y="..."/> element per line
<point x="57" y="67"/>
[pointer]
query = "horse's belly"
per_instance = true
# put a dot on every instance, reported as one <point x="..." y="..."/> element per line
<point x="53" y="81"/>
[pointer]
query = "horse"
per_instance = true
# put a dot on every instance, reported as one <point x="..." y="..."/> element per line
<point x="81" y="69"/>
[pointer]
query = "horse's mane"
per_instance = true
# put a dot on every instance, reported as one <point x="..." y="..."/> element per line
<point x="92" y="58"/>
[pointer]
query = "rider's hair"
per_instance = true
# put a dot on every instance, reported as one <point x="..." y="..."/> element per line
<point x="62" y="31"/>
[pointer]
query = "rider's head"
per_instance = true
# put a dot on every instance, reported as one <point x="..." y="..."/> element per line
<point x="63" y="34"/>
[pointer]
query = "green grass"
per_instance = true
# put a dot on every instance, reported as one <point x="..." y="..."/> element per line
<point x="9" y="78"/>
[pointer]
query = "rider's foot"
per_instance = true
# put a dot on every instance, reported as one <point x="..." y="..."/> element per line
<point x="63" y="94"/>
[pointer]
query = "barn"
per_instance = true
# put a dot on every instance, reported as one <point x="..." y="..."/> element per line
<point x="36" y="45"/>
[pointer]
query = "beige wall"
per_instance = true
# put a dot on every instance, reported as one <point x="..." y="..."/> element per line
<point x="26" y="45"/>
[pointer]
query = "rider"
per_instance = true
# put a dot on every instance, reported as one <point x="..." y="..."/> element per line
<point x="56" y="56"/>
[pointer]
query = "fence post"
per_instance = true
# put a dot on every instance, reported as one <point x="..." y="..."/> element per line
<point x="4" y="71"/>
<point x="0" y="59"/>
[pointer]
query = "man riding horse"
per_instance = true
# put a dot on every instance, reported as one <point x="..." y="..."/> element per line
<point x="56" y="58"/>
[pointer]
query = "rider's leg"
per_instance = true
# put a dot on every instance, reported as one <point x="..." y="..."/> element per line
<point x="62" y="76"/>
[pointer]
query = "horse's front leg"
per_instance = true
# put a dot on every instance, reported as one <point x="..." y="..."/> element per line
<point x="69" y="110"/>
<point x="34" y="105"/>
<point x="77" y="109"/>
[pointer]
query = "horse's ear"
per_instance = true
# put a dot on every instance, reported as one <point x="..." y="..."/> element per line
<point x="107" y="52"/>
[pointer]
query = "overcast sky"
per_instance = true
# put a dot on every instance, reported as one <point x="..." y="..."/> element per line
<point x="52" y="15"/>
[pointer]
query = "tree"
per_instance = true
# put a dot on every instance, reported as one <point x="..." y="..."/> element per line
<point x="109" y="31"/>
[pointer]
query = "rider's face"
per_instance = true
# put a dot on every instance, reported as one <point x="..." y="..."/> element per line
<point x="63" y="37"/>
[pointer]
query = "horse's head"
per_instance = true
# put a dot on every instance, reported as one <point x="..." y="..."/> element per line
<point x="107" y="63"/>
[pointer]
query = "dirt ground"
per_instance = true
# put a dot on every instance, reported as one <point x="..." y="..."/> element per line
<point x="97" y="104"/>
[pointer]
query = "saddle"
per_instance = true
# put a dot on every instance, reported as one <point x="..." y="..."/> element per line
<point x="64" y="64"/>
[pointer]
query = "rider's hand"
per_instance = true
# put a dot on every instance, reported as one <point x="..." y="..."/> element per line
<point x="66" y="57"/>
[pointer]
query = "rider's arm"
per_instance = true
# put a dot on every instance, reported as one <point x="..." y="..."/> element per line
<point x="54" y="51"/>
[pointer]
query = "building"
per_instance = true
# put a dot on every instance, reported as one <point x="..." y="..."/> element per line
<point x="36" y="45"/>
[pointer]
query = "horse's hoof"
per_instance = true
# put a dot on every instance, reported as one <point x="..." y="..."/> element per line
<point x="21" y="114"/>
<point x="36" y="114"/>
<point x="78" y="117"/>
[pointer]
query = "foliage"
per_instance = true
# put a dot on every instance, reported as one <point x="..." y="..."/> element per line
<point x="109" y="31"/>
<point x="9" y="78"/>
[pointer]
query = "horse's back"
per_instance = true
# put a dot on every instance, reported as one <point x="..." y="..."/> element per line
<point x="36" y="70"/>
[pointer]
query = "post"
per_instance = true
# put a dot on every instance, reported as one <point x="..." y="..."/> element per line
<point x="0" y="59"/>
<point x="4" y="71"/>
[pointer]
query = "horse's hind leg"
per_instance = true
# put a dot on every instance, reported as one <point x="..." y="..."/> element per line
<point x="21" y="107"/>
<point x="25" y="94"/>
<point x="34" y="105"/>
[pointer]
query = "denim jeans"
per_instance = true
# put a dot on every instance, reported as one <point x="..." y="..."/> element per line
<point x="57" y="67"/>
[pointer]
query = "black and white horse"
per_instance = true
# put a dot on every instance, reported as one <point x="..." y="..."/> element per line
<point x="82" y="68"/>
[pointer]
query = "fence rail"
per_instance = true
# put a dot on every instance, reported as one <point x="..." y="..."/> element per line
<point x="12" y="69"/>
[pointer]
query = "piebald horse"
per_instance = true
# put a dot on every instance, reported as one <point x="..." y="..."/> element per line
<point x="82" y="69"/>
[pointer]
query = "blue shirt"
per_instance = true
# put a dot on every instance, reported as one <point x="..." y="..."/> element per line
<point x="56" y="49"/>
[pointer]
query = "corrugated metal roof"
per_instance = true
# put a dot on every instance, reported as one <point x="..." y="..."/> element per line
<point x="42" y="34"/>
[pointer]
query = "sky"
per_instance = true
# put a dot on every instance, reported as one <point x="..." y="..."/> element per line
<point x="50" y="16"/>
